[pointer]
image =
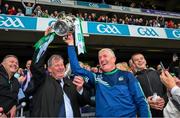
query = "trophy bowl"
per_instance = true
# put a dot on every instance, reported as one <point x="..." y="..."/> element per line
<point x="63" y="26"/>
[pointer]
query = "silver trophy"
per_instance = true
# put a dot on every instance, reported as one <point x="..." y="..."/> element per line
<point x="64" y="25"/>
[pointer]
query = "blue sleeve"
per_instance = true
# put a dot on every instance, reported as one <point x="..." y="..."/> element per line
<point x="75" y="67"/>
<point x="138" y="96"/>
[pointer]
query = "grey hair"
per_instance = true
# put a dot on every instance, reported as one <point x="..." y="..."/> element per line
<point x="108" y="50"/>
<point x="54" y="57"/>
<point x="8" y="56"/>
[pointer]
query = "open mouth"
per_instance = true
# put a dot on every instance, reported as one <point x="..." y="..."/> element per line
<point x="104" y="63"/>
<point x="13" y="67"/>
<point x="61" y="71"/>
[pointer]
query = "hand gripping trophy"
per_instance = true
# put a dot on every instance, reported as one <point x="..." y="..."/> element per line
<point x="63" y="26"/>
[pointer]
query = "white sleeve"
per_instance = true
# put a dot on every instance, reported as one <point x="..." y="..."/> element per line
<point x="175" y="91"/>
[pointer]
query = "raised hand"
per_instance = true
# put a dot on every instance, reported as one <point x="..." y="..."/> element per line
<point x="78" y="81"/>
<point x="69" y="39"/>
<point x="167" y="79"/>
<point x="48" y="30"/>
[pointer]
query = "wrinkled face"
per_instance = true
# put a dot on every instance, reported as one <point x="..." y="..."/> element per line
<point x="139" y="61"/>
<point x="57" y="68"/>
<point x="11" y="65"/>
<point x="106" y="61"/>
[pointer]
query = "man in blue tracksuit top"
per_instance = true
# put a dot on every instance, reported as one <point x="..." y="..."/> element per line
<point x="118" y="93"/>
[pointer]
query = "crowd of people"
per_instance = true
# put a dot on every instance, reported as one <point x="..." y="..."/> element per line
<point x="33" y="10"/>
<point x="121" y="90"/>
<point x="128" y="3"/>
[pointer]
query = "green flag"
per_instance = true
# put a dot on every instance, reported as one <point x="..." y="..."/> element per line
<point x="42" y="44"/>
<point x="79" y="37"/>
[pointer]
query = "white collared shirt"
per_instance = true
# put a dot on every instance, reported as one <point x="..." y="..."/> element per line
<point x="67" y="102"/>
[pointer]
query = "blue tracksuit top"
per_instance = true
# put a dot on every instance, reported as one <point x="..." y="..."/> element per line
<point x="118" y="93"/>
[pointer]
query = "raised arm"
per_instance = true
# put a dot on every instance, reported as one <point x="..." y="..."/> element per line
<point x="76" y="69"/>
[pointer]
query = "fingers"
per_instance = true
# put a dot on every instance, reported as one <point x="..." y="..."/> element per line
<point x="78" y="81"/>
<point x="21" y="79"/>
<point x="158" y="104"/>
<point x="167" y="74"/>
<point x="69" y="39"/>
<point x="48" y="30"/>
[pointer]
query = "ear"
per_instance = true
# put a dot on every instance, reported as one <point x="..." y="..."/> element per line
<point x="49" y="69"/>
<point x="114" y="59"/>
<point x="3" y="63"/>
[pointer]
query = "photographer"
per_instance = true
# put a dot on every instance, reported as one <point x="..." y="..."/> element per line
<point x="172" y="109"/>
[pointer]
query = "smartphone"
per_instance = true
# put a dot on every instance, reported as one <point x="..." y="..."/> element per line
<point x="162" y="66"/>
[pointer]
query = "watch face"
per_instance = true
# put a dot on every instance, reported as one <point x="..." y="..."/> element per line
<point x="61" y="28"/>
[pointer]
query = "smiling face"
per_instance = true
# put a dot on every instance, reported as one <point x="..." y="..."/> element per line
<point x="10" y="64"/>
<point x="107" y="59"/>
<point x="139" y="61"/>
<point x="56" y="67"/>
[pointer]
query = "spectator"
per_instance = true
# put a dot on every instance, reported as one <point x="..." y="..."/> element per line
<point x="45" y="14"/>
<point x="170" y="24"/>
<point x="133" y="5"/>
<point x="160" y="20"/>
<point x="94" y="17"/>
<point x="51" y="15"/>
<point x="89" y="18"/>
<point x="174" y="66"/>
<point x="178" y="27"/>
<point x="29" y="8"/>
<point x="56" y="14"/>
<point x="23" y="96"/>
<point x="172" y="109"/>
<point x="156" y="24"/>
<point x="121" y="21"/>
<point x="118" y="93"/>
<point x="85" y="17"/>
<point x="38" y="12"/>
<point x="9" y="85"/>
<point x="19" y="12"/>
<point x="5" y="8"/>
<point x="150" y="83"/>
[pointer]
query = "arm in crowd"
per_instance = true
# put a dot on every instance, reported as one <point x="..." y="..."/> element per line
<point x="38" y="73"/>
<point x="139" y="97"/>
<point x="170" y="83"/>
